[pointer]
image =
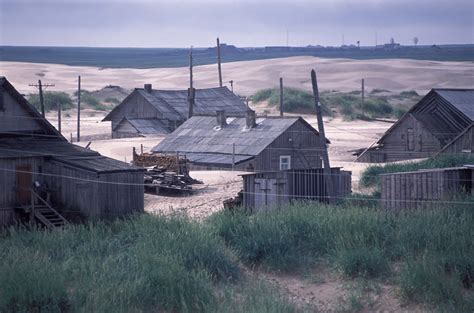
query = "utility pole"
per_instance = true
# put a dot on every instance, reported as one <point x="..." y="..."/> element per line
<point x="363" y="91"/>
<point x="219" y="62"/>
<point x="79" y="108"/>
<point x="322" y="138"/>
<point x="191" y="90"/>
<point x="59" y="116"/>
<point x="40" y="87"/>
<point x="281" y="96"/>
<point x="231" y="82"/>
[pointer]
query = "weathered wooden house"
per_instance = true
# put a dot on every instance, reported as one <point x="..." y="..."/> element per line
<point x="46" y="177"/>
<point x="425" y="188"/>
<point x="441" y="121"/>
<point x="149" y="112"/>
<point x="267" y="190"/>
<point x="245" y="143"/>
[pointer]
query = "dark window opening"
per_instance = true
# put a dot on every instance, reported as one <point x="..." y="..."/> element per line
<point x="410" y="139"/>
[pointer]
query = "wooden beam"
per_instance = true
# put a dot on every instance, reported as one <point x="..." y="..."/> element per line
<point x="78" y="108"/>
<point x="219" y="62"/>
<point x="281" y="96"/>
<point x="322" y="137"/>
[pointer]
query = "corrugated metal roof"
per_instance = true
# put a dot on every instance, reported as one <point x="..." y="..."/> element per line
<point x="462" y="99"/>
<point x="149" y="126"/>
<point x="199" y="134"/>
<point x="61" y="151"/>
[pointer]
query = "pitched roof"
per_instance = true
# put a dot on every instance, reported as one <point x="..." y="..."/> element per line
<point x="174" y="105"/>
<point x="61" y="151"/>
<point x="461" y="99"/>
<point x="150" y="126"/>
<point x="48" y="129"/>
<point x="200" y="135"/>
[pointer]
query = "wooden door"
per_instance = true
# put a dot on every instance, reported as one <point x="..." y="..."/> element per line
<point x="24" y="181"/>
<point x="410" y="139"/>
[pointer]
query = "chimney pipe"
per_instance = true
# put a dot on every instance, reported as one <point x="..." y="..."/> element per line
<point x="148" y="88"/>
<point x="251" y="119"/>
<point x="221" y="118"/>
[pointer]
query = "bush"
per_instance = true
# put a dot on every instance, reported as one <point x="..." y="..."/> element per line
<point x="376" y="107"/>
<point x="51" y="100"/>
<point x="361" y="261"/>
<point x="409" y="94"/>
<point x="112" y="100"/>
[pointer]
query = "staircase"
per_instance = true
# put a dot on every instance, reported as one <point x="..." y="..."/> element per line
<point x="49" y="217"/>
<point x="42" y="211"/>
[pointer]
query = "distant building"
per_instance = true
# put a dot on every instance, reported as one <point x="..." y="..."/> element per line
<point x="441" y="122"/>
<point x="245" y="143"/>
<point x="149" y="112"/>
<point x="45" y="177"/>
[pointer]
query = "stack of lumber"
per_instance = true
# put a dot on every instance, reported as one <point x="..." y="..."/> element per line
<point x="159" y="179"/>
<point x="166" y="162"/>
<point x="235" y="202"/>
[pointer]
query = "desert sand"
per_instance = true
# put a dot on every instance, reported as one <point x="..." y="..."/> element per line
<point x="250" y="76"/>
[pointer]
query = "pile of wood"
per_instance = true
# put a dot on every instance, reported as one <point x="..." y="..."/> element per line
<point x="233" y="203"/>
<point x="159" y="180"/>
<point x="164" y="162"/>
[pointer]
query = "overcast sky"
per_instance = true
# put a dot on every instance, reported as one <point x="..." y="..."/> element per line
<point x="173" y="23"/>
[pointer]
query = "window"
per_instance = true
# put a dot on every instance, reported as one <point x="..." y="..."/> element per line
<point x="285" y="162"/>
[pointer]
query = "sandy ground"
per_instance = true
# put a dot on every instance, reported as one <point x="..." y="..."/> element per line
<point x="218" y="185"/>
<point x="250" y="76"/>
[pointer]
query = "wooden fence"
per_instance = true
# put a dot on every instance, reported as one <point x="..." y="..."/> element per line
<point x="424" y="187"/>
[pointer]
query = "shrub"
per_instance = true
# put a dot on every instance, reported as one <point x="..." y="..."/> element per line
<point x="361" y="261"/>
<point x="262" y="95"/>
<point x="376" y="107"/>
<point x="112" y="100"/>
<point x="51" y="100"/>
<point x="409" y="94"/>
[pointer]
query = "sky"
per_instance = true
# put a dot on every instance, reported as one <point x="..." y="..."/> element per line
<point x="244" y="23"/>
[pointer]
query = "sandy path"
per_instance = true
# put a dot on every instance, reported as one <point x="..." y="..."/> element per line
<point x="250" y="76"/>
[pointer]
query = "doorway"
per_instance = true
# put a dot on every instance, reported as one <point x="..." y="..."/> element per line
<point x="24" y="180"/>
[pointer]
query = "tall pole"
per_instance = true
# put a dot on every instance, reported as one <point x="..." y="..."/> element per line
<point x="219" y="62"/>
<point x="362" y="91"/>
<point x="79" y="109"/>
<point x="281" y="96"/>
<point x="322" y="138"/>
<point x="231" y="82"/>
<point x="59" y="117"/>
<point x="40" y="86"/>
<point x="191" y="88"/>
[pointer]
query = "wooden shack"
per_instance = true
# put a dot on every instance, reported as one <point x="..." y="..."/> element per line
<point x="427" y="128"/>
<point x="73" y="180"/>
<point x="266" y="190"/>
<point x="408" y="190"/>
<point x="150" y="112"/>
<point x="248" y="143"/>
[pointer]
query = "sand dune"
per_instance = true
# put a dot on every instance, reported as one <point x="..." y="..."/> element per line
<point x="249" y="76"/>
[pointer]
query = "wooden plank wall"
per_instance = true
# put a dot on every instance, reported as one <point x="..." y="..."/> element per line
<point x="8" y="183"/>
<point x="300" y="142"/>
<point x="462" y="145"/>
<point x="298" y="185"/>
<point x="423" y="188"/>
<point x="121" y="194"/>
<point x="135" y="107"/>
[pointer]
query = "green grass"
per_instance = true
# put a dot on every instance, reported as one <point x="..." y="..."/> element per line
<point x="51" y="100"/>
<point x="112" y="100"/>
<point x="370" y="176"/>
<point x="349" y="105"/>
<point x="362" y="242"/>
<point x="88" y="98"/>
<point x="136" y="265"/>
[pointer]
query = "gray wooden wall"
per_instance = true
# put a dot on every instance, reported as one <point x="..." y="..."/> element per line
<point x="423" y="188"/>
<point x="8" y="185"/>
<point x="266" y="190"/>
<point x="15" y="119"/>
<point x="395" y="145"/>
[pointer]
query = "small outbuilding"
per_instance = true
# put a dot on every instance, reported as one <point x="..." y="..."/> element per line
<point x="47" y="178"/>
<point x="425" y="188"/>
<point x="248" y="143"/>
<point x="150" y="112"/>
<point x="441" y="121"/>
<point x="267" y="190"/>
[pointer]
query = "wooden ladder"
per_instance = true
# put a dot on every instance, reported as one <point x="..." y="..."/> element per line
<point x="46" y="214"/>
